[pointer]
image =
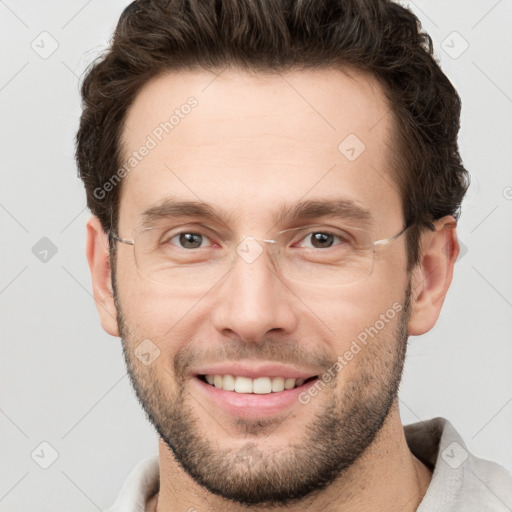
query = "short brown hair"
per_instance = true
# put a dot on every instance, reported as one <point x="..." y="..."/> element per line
<point x="378" y="37"/>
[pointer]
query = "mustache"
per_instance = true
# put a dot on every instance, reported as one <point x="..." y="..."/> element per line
<point x="271" y="350"/>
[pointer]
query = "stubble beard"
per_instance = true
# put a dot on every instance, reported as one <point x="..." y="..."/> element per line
<point x="244" y="472"/>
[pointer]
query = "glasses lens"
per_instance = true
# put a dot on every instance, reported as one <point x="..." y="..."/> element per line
<point x="326" y="256"/>
<point x="182" y="259"/>
<point x="316" y="256"/>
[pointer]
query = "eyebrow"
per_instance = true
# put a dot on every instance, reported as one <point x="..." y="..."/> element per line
<point x="340" y="208"/>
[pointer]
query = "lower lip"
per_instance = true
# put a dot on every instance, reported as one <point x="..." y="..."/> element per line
<point x="252" y="405"/>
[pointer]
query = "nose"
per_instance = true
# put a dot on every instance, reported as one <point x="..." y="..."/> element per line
<point x="253" y="300"/>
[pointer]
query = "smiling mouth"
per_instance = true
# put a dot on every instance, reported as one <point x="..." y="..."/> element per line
<point x="259" y="386"/>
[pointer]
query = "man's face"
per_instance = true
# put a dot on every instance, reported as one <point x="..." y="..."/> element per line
<point x="251" y="146"/>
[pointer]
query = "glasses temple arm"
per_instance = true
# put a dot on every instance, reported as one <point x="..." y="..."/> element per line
<point x="113" y="236"/>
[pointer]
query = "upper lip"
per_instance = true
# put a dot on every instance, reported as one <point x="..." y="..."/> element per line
<point x="253" y="370"/>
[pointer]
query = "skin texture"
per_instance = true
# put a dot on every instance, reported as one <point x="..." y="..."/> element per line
<point x="252" y="144"/>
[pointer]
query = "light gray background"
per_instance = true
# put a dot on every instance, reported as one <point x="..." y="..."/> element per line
<point x="63" y="380"/>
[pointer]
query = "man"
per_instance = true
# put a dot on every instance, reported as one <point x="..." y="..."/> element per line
<point x="275" y="187"/>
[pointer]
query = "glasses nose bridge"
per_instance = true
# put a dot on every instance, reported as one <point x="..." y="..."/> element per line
<point x="250" y="249"/>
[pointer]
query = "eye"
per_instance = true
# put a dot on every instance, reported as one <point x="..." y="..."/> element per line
<point x="323" y="239"/>
<point x="189" y="240"/>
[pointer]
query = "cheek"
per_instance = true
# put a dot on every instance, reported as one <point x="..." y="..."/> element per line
<point x="150" y="310"/>
<point x="361" y="313"/>
<point x="154" y="315"/>
<point x="155" y="331"/>
<point x="366" y="343"/>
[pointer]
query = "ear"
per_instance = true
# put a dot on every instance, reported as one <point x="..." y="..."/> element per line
<point x="432" y="276"/>
<point x="99" y="265"/>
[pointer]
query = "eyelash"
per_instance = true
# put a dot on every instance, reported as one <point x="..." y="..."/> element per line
<point x="326" y="232"/>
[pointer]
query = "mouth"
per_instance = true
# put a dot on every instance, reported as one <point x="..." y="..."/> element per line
<point x="257" y="386"/>
<point x="252" y="399"/>
<point x="253" y="389"/>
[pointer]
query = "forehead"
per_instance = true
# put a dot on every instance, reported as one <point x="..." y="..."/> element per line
<point x="251" y="143"/>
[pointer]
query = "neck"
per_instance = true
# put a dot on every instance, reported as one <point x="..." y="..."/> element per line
<point x="386" y="478"/>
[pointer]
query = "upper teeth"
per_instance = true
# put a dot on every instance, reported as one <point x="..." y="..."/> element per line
<point x="261" y="385"/>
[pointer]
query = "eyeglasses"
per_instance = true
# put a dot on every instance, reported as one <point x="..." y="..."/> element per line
<point x="192" y="257"/>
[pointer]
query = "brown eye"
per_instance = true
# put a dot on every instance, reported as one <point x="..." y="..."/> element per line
<point x="321" y="240"/>
<point x="189" y="240"/>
